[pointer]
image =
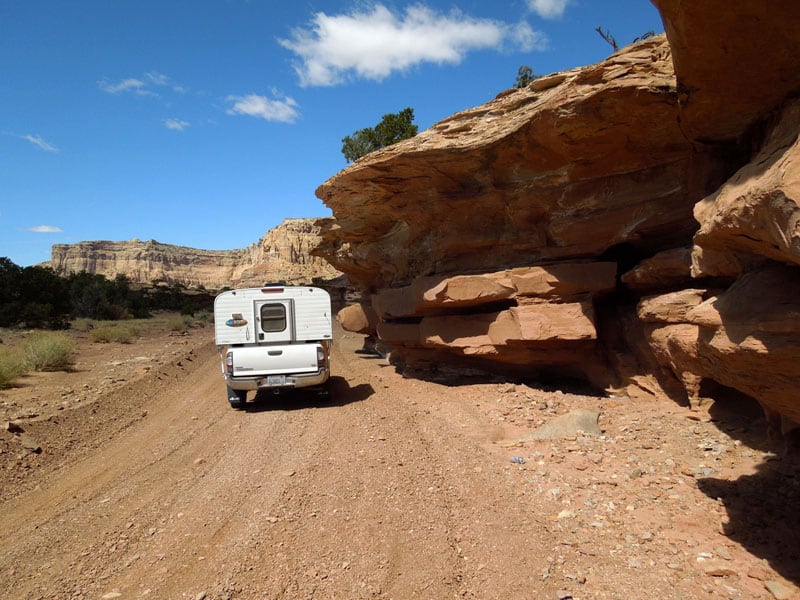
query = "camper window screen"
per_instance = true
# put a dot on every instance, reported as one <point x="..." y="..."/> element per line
<point x="273" y="318"/>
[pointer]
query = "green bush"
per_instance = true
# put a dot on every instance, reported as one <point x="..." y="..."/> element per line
<point x="122" y="334"/>
<point x="49" y="351"/>
<point x="12" y="365"/>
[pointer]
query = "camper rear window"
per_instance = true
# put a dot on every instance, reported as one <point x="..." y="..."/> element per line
<point x="273" y="318"/>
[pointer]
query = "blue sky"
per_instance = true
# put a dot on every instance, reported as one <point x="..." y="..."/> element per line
<point x="205" y="123"/>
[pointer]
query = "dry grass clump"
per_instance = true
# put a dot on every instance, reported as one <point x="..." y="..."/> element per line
<point x="12" y="366"/>
<point x="182" y="323"/>
<point x="49" y="351"/>
<point x="120" y="333"/>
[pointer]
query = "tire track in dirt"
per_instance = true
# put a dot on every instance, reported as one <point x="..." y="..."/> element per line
<point x="392" y="488"/>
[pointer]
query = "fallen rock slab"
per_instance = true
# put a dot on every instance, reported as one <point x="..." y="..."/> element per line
<point x="570" y="424"/>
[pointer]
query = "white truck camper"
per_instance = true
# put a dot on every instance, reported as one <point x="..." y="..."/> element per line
<point x="275" y="337"/>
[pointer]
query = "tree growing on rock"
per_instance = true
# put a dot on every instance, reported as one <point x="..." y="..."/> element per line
<point x="525" y="76"/>
<point x="392" y="128"/>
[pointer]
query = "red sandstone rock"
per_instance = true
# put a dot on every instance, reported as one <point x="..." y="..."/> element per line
<point x="670" y="268"/>
<point x="358" y="318"/>
<point x="755" y="215"/>
<point x="493" y="239"/>
<point x="745" y="338"/>
<point x="593" y="159"/>
<point x="734" y="65"/>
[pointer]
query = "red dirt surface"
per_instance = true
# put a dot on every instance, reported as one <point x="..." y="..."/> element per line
<point x="148" y="485"/>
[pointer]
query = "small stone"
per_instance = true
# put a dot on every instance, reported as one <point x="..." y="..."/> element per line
<point x="200" y="596"/>
<point x="780" y="590"/>
<point x="723" y="553"/>
<point x="720" y="571"/>
<point x="29" y="443"/>
<point x="13" y="427"/>
<point x="110" y="595"/>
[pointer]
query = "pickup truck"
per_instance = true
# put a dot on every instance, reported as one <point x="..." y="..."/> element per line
<point x="274" y="337"/>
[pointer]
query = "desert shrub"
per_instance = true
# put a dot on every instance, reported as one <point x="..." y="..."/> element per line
<point x="202" y="317"/>
<point x="122" y="334"/>
<point x="49" y="351"/>
<point x="179" y="323"/>
<point x="82" y="324"/>
<point x="12" y="365"/>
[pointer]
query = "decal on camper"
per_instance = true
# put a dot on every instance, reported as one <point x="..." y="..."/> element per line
<point x="236" y="320"/>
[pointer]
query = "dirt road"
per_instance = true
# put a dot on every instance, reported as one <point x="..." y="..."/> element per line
<point x="392" y="488"/>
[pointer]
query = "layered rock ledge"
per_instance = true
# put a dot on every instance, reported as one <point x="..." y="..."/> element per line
<point x="633" y="222"/>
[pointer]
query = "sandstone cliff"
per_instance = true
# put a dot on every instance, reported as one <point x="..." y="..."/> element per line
<point x="633" y="222"/>
<point x="282" y="254"/>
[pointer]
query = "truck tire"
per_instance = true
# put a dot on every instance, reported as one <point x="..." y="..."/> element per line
<point x="237" y="398"/>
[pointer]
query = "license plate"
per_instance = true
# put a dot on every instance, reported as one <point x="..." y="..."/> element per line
<point x="276" y="380"/>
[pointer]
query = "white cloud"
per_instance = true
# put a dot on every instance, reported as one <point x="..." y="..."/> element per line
<point x="526" y="39"/>
<point x="549" y="9"/>
<point x="176" y="124"/>
<point x="157" y="78"/>
<point x="38" y="141"/>
<point x="45" y="229"/>
<point x="281" y="109"/>
<point x="140" y="86"/>
<point x="373" y="45"/>
<point x="136" y="86"/>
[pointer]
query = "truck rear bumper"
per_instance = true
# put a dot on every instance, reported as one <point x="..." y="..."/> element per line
<point x="302" y="380"/>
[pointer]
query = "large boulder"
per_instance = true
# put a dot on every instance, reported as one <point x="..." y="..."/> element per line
<point x="633" y="222"/>
<point x="575" y="164"/>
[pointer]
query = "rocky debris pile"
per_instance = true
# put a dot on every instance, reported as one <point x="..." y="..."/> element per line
<point x="633" y="223"/>
<point x="691" y="494"/>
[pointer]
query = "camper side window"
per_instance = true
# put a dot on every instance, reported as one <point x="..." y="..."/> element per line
<point x="273" y="318"/>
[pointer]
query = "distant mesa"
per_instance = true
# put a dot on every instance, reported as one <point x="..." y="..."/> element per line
<point x="282" y="254"/>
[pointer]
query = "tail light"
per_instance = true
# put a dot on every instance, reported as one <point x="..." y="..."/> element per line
<point x="229" y="363"/>
<point x="320" y="357"/>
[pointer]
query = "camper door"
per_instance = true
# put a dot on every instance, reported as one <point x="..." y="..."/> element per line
<point x="274" y="320"/>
